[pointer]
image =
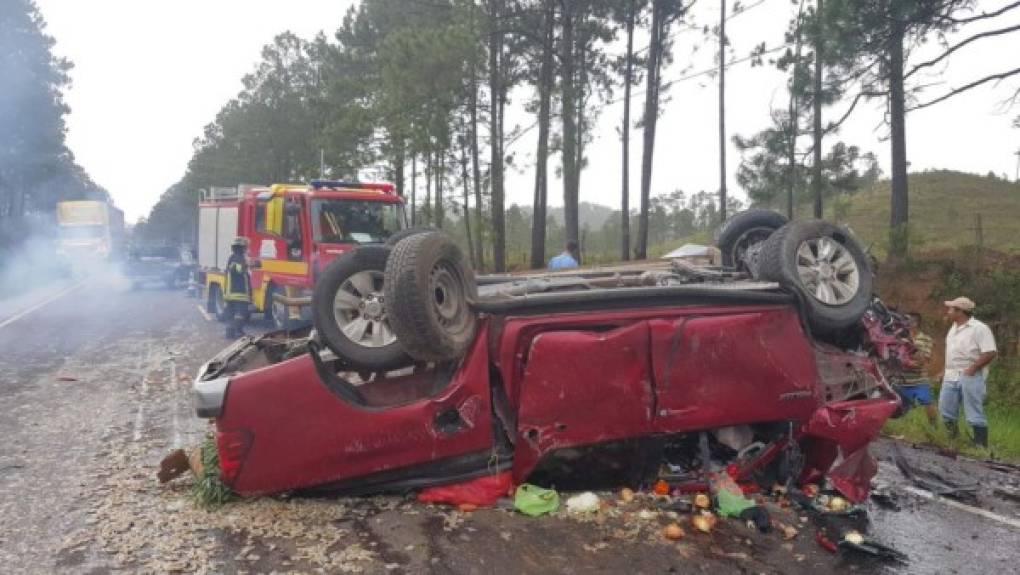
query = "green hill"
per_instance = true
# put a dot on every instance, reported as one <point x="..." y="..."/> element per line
<point x="944" y="211"/>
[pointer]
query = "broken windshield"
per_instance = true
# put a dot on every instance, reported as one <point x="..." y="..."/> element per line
<point x="355" y="221"/>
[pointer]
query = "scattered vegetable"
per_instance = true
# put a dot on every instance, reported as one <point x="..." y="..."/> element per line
<point x="673" y="532"/>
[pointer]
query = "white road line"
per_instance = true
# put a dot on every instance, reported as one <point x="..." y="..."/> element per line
<point x="174" y="421"/>
<point x="139" y="421"/>
<point x="149" y="368"/>
<point x="204" y="313"/>
<point x="46" y="301"/>
<point x="963" y="507"/>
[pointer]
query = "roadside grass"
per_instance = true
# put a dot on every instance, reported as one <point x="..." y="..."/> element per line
<point x="944" y="207"/>
<point x="208" y="491"/>
<point x="1003" y="433"/>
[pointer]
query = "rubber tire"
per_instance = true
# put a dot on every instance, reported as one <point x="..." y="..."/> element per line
<point x="270" y="314"/>
<point x="778" y="263"/>
<point x="355" y="355"/>
<point x="409" y="301"/>
<point x="216" y="304"/>
<point x="742" y="222"/>
<point x="406" y="233"/>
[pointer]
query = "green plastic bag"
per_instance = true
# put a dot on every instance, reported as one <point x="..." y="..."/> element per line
<point x="731" y="505"/>
<point x="533" y="500"/>
<point x="728" y="495"/>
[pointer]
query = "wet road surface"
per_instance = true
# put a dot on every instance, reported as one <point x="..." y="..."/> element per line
<point x="94" y="389"/>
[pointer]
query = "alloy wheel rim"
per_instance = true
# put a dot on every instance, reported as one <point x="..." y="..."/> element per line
<point x="359" y="309"/>
<point x="828" y="270"/>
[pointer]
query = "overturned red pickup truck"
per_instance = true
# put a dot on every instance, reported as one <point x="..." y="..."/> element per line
<point x="418" y="373"/>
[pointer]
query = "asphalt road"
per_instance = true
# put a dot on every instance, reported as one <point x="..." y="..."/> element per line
<point x="94" y="391"/>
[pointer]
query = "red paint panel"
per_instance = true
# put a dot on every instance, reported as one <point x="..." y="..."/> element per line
<point x="845" y="428"/>
<point x="512" y="336"/>
<point x="851" y="424"/>
<point x="718" y="370"/>
<point x="302" y="434"/>
<point x="582" y="388"/>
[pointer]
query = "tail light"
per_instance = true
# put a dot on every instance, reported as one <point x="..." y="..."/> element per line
<point x="233" y="447"/>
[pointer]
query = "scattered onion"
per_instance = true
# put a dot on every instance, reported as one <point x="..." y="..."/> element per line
<point x="673" y="532"/>
<point x="854" y="537"/>
<point x="701" y="500"/>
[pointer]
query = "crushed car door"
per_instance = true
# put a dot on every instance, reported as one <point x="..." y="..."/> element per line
<point x="582" y="387"/>
<point x="731" y="366"/>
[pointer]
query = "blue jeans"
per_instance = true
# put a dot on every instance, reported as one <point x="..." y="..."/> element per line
<point x="969" y="389"/>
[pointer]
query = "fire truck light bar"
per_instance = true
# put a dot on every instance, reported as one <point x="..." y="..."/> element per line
<point x="317" y="184"/>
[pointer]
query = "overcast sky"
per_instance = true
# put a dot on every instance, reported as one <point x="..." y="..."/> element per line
<point x="149" y="75"/>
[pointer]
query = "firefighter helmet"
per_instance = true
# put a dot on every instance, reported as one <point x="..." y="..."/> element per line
<point x="239" y="241"/>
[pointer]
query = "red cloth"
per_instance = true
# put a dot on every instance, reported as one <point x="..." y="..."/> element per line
<point x="483" y="491"/>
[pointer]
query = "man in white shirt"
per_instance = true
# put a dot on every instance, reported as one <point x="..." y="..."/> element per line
<point x="970" y="347"/>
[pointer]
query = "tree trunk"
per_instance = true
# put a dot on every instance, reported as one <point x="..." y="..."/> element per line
<point x="582" y="95"/>
<point x="794" y="120"/>
<point x="722" y="111"/>
<point x="429" y="170"/>
<point x="467" y="194"/>
<point x="398" y="169"/>
<point x="496" y="136"/>
<point x="897" y="120"/>
<point x="628" y="78"/>
<point x="791" y="153"/>
<point x="569" y="116"/>
<point x="545" y="87"/>
<point x="440" y="176"/>
<point x="816" y="178"/>
<point x="650" y="117"/>
<point x="476" y="172"/>
<point x="414" y="188"/>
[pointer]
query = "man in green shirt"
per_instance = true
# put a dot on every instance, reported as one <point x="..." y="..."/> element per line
<point x="915" y="386"/>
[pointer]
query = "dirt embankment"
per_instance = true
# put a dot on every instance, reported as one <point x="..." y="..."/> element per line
<point x="918" y="286"/>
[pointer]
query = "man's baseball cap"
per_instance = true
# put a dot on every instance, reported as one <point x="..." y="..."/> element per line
<point x="963" y="303"/>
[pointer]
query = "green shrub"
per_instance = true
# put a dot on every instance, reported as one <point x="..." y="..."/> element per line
<point x="208" y="490"/>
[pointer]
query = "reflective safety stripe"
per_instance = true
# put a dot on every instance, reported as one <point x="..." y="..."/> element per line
<point x="241" y="291"/>
<point x="285" y="267"/>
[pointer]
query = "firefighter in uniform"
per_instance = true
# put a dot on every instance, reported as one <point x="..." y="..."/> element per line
<point x="238" y="289"/>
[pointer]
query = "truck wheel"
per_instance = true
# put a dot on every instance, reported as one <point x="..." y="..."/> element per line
<point x="825" y="264"/>
<point x="276" y="313"/>
<point x="349" y="311"/>
<point x="429" y="288"/>
<point x="406" y="233"/>
<point x="216" y="305"/>
<point x="744" y="230"/>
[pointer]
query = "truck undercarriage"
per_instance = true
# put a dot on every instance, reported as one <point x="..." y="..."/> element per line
<point x="617" y="374"/>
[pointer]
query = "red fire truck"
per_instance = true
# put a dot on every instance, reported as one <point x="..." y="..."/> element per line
<point x="293" y="231"/>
